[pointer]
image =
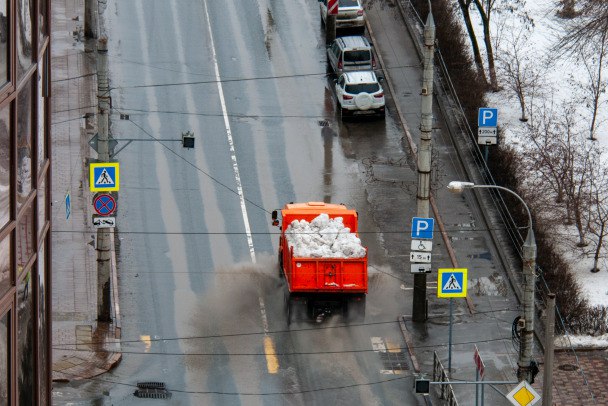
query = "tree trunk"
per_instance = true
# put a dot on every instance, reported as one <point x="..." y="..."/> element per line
<point x="464" y="7"/>
<point x="598" y="248"/>
<point x="490" y="51"/>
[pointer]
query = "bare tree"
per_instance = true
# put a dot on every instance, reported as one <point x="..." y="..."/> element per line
<point x="562" y="159"/>
<point x="521" y="73"/>
<point x="464" y="8"/>
<point x="599" y="211"/>
<point x="485" y="8"/>
<point x="596" y="84"/>
<point x="586" y="38"/>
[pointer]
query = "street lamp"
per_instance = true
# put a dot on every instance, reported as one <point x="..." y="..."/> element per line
<point x="526" y="368"/>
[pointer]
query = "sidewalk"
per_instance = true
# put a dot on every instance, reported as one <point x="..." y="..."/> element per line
<point x="82" y="347"/>
<point x="485" y="318"/>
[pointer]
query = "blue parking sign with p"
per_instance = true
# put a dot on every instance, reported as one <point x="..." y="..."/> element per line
<point x="488" y="117"/>
<point x="422" y="228"/>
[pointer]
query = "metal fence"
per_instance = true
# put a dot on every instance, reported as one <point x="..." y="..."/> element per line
<point x="445" y="391"/>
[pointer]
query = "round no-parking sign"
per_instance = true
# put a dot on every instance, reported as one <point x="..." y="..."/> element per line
<point x="104" y="204"/>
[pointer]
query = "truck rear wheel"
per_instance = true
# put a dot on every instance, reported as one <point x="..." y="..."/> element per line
<point x="355" y="308"/>
<point x="280" y="264"/>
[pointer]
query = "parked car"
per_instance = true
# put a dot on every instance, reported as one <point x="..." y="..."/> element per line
<point x="350" y="14"/>
<point x="350" y="53"/>
<point x="359" y="93"/>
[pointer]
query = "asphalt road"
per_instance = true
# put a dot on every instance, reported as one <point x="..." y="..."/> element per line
<point x="201" y="301"/>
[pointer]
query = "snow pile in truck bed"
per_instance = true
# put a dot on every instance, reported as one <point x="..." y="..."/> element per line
<point x="323" y="238"/>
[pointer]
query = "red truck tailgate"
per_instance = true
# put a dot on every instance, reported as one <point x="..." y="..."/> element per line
<point x="347" y="275"/>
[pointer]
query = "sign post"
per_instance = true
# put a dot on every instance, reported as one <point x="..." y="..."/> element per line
<point x="487" y="134"/>
<point x="451" y="283"/>
<point x="479" y="371"/>
<point x="330" y="20"/>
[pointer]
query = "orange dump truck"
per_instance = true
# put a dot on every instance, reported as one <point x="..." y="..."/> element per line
<point x="334" y="273"/>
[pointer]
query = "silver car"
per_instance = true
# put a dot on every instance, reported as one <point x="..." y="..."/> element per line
<point x="350" y="53"/>
<point x="350" y="14"/>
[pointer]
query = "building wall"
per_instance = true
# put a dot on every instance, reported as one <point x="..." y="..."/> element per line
<point x="25" y="331"/>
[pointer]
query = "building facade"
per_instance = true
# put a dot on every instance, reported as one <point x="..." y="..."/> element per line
<point x="25" y="322"/>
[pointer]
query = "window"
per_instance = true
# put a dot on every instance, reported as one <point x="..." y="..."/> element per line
<point x="25" y="239"/>
<point x="41" y="109"/>
<point x="25" y="23"/>
<point x="362" y="87"/>
<point x="25" y="340"/>
<point x="5" y="266"/>
<point x="42" y="325"/>
<point x="5" y="165"/>
<point x="4" y="41"/>
<point x="42" y="12"/>
<point x="5" y="350"/>
<point x="41" y="206"/>
<point x="24" y="144"/>
<point x="357" y="56"/>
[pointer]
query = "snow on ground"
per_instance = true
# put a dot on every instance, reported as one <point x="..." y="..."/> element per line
<point x="323" y="238"/>
<point x="562" y="78"/>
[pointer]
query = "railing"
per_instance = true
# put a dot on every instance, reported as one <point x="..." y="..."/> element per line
<point x="446" y="391"/>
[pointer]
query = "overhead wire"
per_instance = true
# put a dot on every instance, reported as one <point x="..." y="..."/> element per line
<point x="273" y="332"/>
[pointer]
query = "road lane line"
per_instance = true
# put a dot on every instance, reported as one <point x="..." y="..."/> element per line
<point x="272" y="362"/>
<point x="235" y="165"/>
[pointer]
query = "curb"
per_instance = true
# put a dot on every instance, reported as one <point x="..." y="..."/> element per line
<point x="115" y="298"/>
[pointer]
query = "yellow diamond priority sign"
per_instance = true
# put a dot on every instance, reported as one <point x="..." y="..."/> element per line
<point x="523" y="395"/>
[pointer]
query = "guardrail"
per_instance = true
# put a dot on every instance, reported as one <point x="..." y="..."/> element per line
<point x="446" y="391"/>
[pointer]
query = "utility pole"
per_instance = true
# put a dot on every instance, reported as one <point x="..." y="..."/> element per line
<point x="420" y="306"/>
<point x="549" y="336"/>
<point x="90" y="19"/>
<point x="525" y="370"/>
<point x="103" y="234"/>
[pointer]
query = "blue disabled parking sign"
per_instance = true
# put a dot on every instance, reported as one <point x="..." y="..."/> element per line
<point x="422" y="228"/>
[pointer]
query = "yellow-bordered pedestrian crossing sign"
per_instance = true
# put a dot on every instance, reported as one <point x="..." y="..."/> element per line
<point x="452" y="282"/>
<point x="104" y="176"/>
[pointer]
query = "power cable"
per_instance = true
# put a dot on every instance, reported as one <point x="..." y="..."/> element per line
<point x="273" y="332"/>
<point x="196" y="167"/>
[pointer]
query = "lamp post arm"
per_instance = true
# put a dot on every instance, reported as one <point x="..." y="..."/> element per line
<point x="530" y="236"/>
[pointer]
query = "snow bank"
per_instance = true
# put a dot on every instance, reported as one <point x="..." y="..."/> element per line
<point x="323" y="238"/>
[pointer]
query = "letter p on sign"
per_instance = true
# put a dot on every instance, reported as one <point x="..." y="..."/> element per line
<point x="422" y="228"/>
<point x="488" y="117"/>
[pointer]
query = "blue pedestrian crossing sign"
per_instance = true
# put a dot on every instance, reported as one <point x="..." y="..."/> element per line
<point x="104" y="176"/>
<point x="422" y="228"/>
<point x="452" y="282"/>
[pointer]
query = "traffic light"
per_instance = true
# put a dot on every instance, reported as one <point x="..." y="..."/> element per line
<point x="423" y="386"/>
<point x="188" y="139"/>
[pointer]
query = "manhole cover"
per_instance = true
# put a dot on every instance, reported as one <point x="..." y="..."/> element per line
<point x="568" y="367"/>
<point x="151" y="390"/>
<point x="394" y="361"/>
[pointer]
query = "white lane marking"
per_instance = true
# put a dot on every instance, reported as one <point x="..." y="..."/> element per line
<point x="378" y="344"/>
<point x="168" y="204"/>
<point x="235" y="166"/>
<point x="271" y="358"/>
